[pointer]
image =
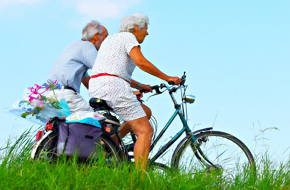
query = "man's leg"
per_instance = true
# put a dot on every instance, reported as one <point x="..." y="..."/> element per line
<point x="143" y="130"/>
<point x="74" y="100"/>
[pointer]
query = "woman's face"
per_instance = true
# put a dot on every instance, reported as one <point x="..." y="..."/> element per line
<point x="140" y="33"/>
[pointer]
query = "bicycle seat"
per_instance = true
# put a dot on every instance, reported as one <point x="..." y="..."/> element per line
<point x="98" y="104"/>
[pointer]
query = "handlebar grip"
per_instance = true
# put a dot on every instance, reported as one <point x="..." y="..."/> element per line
<point x="142" y="91"/>
<point x="156" y="88"/>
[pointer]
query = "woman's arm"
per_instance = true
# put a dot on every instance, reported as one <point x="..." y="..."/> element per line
<point x="140" y="86"/>
<point x="145" y="65"/>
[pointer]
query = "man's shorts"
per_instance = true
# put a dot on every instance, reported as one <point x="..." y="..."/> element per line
<point x="74" y="100"/>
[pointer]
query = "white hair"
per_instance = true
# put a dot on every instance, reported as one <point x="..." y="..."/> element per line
<point x="91" y="29"/>
<point x="136" y="19"/>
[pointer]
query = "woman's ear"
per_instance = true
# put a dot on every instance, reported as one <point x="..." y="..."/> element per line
<point x="135" y="27"/>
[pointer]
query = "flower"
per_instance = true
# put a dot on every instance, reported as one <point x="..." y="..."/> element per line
<point x="40" y="104"/>
<point x="37" y="101"/>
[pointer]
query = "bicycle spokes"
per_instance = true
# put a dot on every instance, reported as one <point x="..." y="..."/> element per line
<point x="213" y="152"/>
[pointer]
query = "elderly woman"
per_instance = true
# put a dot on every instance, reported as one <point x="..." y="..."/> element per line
<point x="118" y="56"/>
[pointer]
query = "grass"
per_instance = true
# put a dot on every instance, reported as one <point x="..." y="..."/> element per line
<point x="17" y="171"/>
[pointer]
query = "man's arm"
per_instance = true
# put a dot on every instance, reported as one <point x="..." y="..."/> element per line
<point x="85" y="81"/>
<point x="89" y="55"/>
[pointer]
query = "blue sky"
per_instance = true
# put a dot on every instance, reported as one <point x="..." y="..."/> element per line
<point x="236" y="54"/>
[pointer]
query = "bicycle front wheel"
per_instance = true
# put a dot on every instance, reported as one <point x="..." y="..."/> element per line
<point x="213" y="151"/>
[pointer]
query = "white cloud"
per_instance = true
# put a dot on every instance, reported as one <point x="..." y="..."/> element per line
<point x="89" y="9"/>
<point x="6" y="3"/>
<point x="102" y="9"/>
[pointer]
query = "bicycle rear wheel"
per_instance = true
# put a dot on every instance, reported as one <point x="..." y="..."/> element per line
<point x="46" y="148"/>
<point x="213" y="151"/>
<point x="107" y="151"/>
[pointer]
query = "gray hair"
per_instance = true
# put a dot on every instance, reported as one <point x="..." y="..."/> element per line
<point x="136" y="19"/>
<point x="91" y="29"/>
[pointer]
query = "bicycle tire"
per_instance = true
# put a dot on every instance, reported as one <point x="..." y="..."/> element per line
<point x="110" y="150"/>
<point x="203" y="158"/>
<point x="157" y="166"/>
<point x="46" y="149"/>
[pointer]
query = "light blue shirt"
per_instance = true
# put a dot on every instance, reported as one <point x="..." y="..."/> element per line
<point x="73" y="64"/>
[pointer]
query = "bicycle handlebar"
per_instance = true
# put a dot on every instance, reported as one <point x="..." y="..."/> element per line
<point x="170" y="88"/>
<point x="156" y="88"/>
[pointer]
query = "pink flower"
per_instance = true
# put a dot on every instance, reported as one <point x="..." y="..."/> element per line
<point x="40" y="104"/>
<point x="31" y="98"/>
<point x="35" y="92"/>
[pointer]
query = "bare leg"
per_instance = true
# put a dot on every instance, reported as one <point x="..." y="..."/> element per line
<point x="125" y="129"/>
<point x="143" y="130"/>
<point x="147" y="111"/>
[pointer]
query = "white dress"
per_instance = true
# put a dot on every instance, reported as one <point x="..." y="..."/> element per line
<point x="113" y="58"/>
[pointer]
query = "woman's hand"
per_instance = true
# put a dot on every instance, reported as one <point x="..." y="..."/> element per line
<point x="175" y="80"/>
<point x="145" y="88"/>
<point x="138" y="94"/>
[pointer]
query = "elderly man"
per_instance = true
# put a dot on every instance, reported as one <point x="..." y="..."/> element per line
<point x="118" y="56"/>
<point x="71" y="68"/>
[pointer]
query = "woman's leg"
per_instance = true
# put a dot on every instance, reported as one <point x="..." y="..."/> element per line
<point x="125" y="129"/>
<point x="143" y="130"/>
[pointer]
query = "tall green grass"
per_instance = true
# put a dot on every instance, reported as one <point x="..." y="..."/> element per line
<point x="17" y="171"/>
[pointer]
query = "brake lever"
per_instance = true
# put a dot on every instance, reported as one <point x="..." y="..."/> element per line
<point x="151" y="96"/>
<point x="154" y="95"/>
<point x="183" y="78"/>
<point x="157" y="90"/>
<point x="155" y="87"/>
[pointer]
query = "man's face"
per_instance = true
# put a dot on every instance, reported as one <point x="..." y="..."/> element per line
<point x="100" y="37"/>
<point x="140" y="33"/>
<point x="104" y="34"/>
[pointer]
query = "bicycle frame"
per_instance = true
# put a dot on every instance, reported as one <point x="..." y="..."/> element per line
<point x="185" y="128"/>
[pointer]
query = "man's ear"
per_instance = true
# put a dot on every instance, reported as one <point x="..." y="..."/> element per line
<point x="96" y="37"/>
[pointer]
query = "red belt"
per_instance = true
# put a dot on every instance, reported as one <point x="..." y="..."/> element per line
<point x="112" y="75"/>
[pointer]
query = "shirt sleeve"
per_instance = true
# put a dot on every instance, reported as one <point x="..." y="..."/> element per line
<point x="86" y="74"/>
<point x="89" y="55"/>
<point x="130" y="42"/>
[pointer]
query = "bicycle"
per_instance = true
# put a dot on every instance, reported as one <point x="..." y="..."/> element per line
<point x="203" y="149"/>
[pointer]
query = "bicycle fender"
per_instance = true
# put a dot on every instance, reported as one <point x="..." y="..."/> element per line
<point x="183" y="141"/>
<point x="180" y="144"/>
<point x="36" y="145"/>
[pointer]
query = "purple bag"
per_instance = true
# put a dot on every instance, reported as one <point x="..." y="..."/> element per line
<point x="77" y="139"/>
